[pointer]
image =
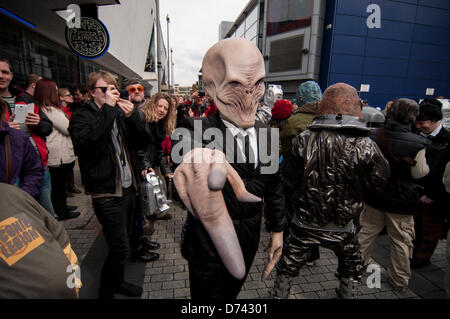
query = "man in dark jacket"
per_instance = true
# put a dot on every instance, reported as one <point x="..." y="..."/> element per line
<point x="434" y="210"/>
<point x="328" y="167"/>
<point x="99" y="135"/>
<point x="399" y="201"/>
<point x="221" y="233"/>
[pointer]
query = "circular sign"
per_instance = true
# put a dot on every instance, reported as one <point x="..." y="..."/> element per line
<point x="90" y="41"/>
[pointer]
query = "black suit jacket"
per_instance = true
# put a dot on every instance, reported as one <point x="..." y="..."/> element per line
<point x="437" y="155"/>
<point x="197" y="246"/>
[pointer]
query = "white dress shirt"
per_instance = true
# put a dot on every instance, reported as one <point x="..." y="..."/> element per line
<point x="251" y="132"/>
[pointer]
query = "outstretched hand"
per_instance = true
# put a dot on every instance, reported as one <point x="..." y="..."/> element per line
<point x="199" y="181"/>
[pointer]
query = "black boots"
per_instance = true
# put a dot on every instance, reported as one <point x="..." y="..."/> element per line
<point x="67" y="214"/>
<point x="143" y="256"/>
<point x="282" y="287"/>
<point x="128" y="289"/>
<point x="149" y="245"/>
<point x="348" y="288"/>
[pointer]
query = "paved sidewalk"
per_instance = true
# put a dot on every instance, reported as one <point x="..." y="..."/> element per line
<point x="168" y="278"/>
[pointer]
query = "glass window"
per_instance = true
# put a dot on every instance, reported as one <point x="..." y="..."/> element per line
<point x="150" y="65"/>
<point x="240" y="31"/>
<point x="252" y="32"/>
<point x="252" y="17"/>
<point x="288" y="15"/>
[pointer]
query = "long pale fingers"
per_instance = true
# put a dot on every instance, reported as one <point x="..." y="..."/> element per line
<point x="223" y="235"/>
<point x="180" y="181"/>
<point x="271" y="264"/>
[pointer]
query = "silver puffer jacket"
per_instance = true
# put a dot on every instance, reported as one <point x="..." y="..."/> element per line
<point x="329" y="167"/>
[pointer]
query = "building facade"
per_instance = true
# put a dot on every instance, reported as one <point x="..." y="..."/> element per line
<point x="384" y="48"/>
<point x="32" y="37"/>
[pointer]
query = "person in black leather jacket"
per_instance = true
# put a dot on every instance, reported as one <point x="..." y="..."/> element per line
<point x="325" y="173"/>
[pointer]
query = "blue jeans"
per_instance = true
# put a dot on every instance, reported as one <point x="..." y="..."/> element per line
<point x="44" y="198"/>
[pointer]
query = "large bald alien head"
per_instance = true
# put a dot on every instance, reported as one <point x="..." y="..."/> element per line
<point x="340" y="98"/>
<point x="233" y="75"/>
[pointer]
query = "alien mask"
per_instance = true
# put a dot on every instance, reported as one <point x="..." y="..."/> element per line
<point x="233" y="75"/>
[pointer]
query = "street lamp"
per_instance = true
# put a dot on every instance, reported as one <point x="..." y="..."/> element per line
<point x="168" y="55"/>
<point x="172" y="64"/>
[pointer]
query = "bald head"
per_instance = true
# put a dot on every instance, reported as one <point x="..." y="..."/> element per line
<point x="340" y="98"/>
<point x="233" y="75"/>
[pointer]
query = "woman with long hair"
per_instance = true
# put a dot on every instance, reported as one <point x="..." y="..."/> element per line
<point x="159" y="116"/>
<point x="156" y="120"/>
<point x="61" y="157"/>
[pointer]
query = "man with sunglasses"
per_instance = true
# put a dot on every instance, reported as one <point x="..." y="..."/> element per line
<point x="101" y="136"/>
<point x="136" y="92"/>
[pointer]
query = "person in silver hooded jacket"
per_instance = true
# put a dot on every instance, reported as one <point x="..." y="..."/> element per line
<point x="326" y="172"/>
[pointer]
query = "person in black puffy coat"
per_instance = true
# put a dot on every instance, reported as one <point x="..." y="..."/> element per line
<point x="326" y="171"/>
<point x="399" y="201"/>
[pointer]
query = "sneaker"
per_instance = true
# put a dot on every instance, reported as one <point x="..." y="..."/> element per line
<point x="399" y="289"/>
<point x="128" y="289"/>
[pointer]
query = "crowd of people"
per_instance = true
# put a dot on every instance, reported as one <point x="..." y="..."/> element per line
<point x="340" y="182"/>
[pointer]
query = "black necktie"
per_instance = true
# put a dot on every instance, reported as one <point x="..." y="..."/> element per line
<point x="250" y="159"/>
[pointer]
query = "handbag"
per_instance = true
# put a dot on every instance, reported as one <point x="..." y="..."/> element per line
<point x="152" y="196"/>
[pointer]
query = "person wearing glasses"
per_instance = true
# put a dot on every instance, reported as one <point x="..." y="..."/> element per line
<point x="136" y="92"/>
<point x="101" y="138"/>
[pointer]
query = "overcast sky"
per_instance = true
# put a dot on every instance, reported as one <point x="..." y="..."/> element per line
<point x="193" y="29"/>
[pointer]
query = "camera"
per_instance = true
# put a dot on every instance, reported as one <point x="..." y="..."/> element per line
<point x="124" y="94"/>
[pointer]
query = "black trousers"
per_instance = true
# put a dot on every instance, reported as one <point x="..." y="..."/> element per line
<point x="428" y="225"/>
<point x="58" y="176"/>
<point x="213" y="283"/>
<point x="115" y="214"/>
<point x="301" y="243"/>
<point x="137" y="227"/>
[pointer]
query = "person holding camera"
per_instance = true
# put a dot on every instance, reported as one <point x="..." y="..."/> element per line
<point x="136" y="94"/>
<point x="101" y="139"/>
